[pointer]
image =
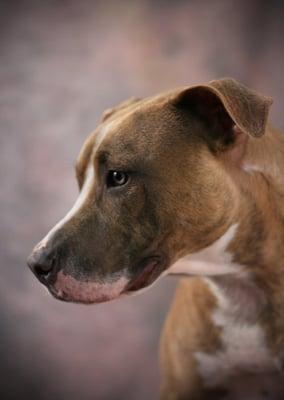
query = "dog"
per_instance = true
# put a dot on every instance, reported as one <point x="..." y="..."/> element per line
<point x="188" y="182"/>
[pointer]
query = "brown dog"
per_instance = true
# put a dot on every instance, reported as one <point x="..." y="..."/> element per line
<point x="188" y="182"/>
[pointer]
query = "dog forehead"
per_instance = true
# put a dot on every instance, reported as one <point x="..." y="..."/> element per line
<point x="151" y="126"/>
<point x="93" y="143"/>
<point x="109" y="128"/>
<point x="146" y="128"/>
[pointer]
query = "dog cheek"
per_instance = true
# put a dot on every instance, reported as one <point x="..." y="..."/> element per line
<point x="70" y="289"/>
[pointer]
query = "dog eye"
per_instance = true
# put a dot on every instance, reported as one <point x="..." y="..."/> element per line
<point x="116" y="178"/>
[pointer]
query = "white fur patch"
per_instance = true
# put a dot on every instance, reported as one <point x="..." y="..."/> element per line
<point x="107" y="128"/>
<point x="243" y="348"/>
<point x="213" y="260"/>
<point x="243" y="351"/>
<point x="76" y="207"/>
<point x="251" y="168"/>
<point x="89" y="180"/>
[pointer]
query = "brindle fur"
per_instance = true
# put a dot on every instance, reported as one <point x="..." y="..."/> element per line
<point x="186" y="151"/>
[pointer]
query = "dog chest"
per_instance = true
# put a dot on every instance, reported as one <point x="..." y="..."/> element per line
<point x="242" y="363"/>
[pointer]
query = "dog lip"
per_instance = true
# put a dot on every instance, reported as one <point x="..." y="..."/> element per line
<point x="56" y="295"/>
<point x="150" y="268"/>
<point x="61" y="295"/>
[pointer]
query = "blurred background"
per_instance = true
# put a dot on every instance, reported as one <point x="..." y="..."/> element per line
<point x="61" y="64"/>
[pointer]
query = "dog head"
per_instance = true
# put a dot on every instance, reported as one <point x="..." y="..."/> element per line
<point x="154" y="187"/>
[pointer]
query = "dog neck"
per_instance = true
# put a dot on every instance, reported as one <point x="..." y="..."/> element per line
<point x="245" y="264"/>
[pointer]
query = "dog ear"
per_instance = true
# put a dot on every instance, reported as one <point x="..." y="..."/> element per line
<point x="121" y="106"/>
<point x="227" y="107"/>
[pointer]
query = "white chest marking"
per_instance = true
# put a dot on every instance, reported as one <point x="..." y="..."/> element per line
<point x="213" y="260"/>
<point x="251" y="168"/>
<point x="243" y="351"/>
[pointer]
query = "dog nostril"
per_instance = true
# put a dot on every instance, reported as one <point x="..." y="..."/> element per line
<point x="41" y="263"/>
<point x="42" y="269"/>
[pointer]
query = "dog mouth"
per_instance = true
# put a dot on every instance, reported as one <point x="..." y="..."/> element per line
<point x="69" y="289"/>
<point x="149" y="269"/>
<point x="66" y="288"/>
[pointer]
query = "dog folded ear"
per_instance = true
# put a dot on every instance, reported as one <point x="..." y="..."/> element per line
<point x="121" y="106"/>
<point x="226" y="107"/>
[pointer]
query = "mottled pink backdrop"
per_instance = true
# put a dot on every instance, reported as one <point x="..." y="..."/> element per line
<point x="62" y="63"/>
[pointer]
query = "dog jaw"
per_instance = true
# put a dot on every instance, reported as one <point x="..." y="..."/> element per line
<point x="67" y="288"/>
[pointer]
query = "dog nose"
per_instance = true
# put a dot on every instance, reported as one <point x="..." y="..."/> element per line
<point x="41" y="262"/>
